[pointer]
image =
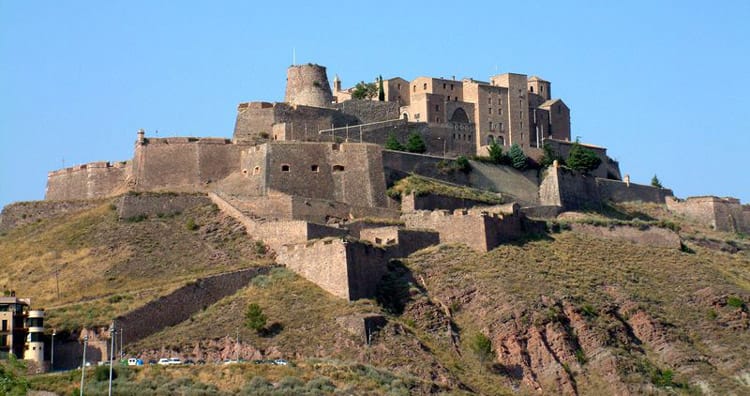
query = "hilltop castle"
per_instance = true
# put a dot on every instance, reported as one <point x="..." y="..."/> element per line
<point x="303" y="174"/>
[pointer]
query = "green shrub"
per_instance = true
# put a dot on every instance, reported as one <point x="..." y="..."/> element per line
<point x="415" y="143"/>
<point x="655" y="182"/>
<point x="481" y="345"/>
<point x="462" y="164"/>
<point x="322" y="384"/>
<point x="102" y="373"/>
<point x="495" y="152"/>
<point x="191" y="225"/>
<point x="392" y="143"/>
<point x="255" y="318"/>
<point x="735" y="302"/>
<point x="580" y="356"/>
<point x="588" y="311"/>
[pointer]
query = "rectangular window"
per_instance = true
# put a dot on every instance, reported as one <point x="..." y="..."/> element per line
<point x="489" y="100"/>
<point x="451" y="87"/>
<point x="437" y="107"/>
<point x="5" y="325"/>
<point x="490" y="125"/>
<point x="443" y="85"/>
<point x="489" y="110"/>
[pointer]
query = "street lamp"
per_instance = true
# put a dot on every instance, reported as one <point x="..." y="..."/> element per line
<point x="83" y="364"/>
<point x="444" y="142"/>
<point x="52" y="352"/>
<point x="112" y="336"/>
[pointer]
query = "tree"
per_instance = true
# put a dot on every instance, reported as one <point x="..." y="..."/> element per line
<point x="549" y="155"/>
<point x="415" y="143"/>
<point x="255" y="318"/>
<point x="655" y="182"/>
<point x="381" y="90"/>
<point x="517" y="158"/>
<point x="392" y="143"/>
<point x="481" y="345"/>
<point x="495" y="152"/>
<point x="582" y="158"/>
<point x="365" y="90"/>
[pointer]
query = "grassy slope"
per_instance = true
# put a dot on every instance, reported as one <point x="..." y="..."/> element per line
<point x="107" y="266"/>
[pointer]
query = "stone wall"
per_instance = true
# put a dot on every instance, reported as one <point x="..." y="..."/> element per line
<point x="608" y="169"/>
<point x="88" y="181"/>
<point x="346" y="269"/>
<point x="183" y="164"/>
<point x="20" y="213"/>
<point x="367" y="111"/>
<point x="182" y="303"/>
<point x="515" y="185"/>
<point x="617" y="191"/>
<point x="403" y="242"/>
<point x="351" y="172"/>
<point x="652" y="236"/>
<point x="413" y="202"/>
<point x="477" y="229"/>
<point x="722" y="214"/>
<point x="569" y="189"/>
<point x="156" y="204"/>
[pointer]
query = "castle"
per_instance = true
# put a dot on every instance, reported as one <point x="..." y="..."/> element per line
<point x="303" y="175"/>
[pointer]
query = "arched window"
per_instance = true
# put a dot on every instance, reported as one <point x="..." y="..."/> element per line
<point x="459" y="115"/>
<point x="490" y="140"/>
<point x="501" y="140"/>
<point x="256" y="170"/>
<point x="531" y="89"/>
<point x="285" y="168"/>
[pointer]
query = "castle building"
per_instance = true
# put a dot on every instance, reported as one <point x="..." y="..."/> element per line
<point x="509" y="109"/>
<point x="21" y="329"/>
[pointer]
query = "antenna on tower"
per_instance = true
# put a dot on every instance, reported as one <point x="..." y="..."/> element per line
<point x="294" y="56"/>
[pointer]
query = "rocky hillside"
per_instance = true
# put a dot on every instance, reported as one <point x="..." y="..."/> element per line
<point x="569" y="312"/>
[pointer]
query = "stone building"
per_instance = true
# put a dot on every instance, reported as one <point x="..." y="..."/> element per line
<point x="509" y="109"/>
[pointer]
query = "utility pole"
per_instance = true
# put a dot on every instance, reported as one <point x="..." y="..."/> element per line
<point x="52" y="352"/>
<point x="122" y="331"/>
<point x="83" y="364"/>
<point x="112" y="336"/>
<point x="57" y="281"/>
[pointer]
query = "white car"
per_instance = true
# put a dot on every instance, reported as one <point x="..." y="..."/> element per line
<point x="163" y="361"/>
<point x="175" y="360"/>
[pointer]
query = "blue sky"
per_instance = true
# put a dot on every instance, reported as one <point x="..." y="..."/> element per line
<point x="664" y="85"/>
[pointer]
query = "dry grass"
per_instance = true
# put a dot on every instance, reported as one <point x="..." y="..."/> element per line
<point x="422" y="186"/>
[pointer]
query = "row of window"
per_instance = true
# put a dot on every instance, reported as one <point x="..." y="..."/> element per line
<point x="461" y="136"/>
<point x="288" y="168"/>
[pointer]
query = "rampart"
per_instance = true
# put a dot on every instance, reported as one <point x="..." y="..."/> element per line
<point x="722" y="214"/>
<point x="20" y="213"/>
<point x="413" y="202"/>
<point x="346" y="269"/>
<point x="88" y="181"/>
<point x="402" y="242"/>
<point x="651" y="236"/>
<point x="367" y="111"/>
<point x="573" y="190"/>
<point x="481" y="230"/>
<point x="349" y="173"/>
<point x="157" y="204"/>
<point x="608" y="169"/>
<point x="517" y="186"/>
<point x="183" y="163"/>
<point x="179" y="305"/>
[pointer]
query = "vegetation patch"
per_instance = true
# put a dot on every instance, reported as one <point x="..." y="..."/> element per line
<point x="422" y="186"/>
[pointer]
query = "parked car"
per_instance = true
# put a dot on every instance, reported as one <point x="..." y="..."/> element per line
<point x="135" y="362"/>
<point x="174" y="360"/>
<point x="164" y="361"/>
<point x="153" y="361"/>
<point x="280" y="362"/>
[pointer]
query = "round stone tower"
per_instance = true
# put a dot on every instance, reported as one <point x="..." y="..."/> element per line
<point x="308" y="85"/>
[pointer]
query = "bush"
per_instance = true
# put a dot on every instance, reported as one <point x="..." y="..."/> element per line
<point x="191" y="225"/>
<point x="517" y="157"/>
<point x="462" y="164"/>
<point x="550" y="156"/>
<point x="364" y="90"/>
<point x="481" y="345"/>
<point x="255" y="318"/>
<point x="102" y="373"/>
<point x="392" y="143"/>
<point x="415" y="143"/>
<point x="495" y="151"/>
<point x="582" y="158"/>
<point x="735" y="302"/>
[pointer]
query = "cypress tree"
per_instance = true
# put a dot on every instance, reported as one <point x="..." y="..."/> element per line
<point x="381" y="90"/>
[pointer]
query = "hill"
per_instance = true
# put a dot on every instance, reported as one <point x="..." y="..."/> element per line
<point x="570" y="312"/>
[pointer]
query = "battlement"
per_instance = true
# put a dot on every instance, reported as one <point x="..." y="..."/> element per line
<point x="720" y="213"/>
<point x="89" y="166"/>
<point x="187" y="140"/>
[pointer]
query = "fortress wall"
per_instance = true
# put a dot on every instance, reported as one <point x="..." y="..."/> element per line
<point x="453" y="228"/>
<point x="322" y="262"/>
<point x="617" y="191"/>
<point x="301" y="179"/>
<point x="149" y="204"/>
<point x="653" y="236"/>
<point x="569" y="189"/>
<point x="723" y="214"/>
<point x="253" y="119"/>
<point x="254" y="167"/>
<point x="512" y="184"/>
<point x="178" y="306"/>
<point x="413" y="202"/>
<point x="88" y="181"/>
<point x="21" y="213"/>
<point x="608" y="167"/>
<point x="403" y="241"/>
<point x="366" y="265"/>
<point x="183" y="164"/>
<point x="367" y="111"/>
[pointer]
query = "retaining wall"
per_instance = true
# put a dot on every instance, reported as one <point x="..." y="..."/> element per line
<point x="88" y="181"/>
<point x="20" y="213"/>
<point x="651" y="236"/>
<point x="150" y="204"/>
<point x="181" y="304"/>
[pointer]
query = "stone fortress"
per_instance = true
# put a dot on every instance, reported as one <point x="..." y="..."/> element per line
<point x="309" y="175"/>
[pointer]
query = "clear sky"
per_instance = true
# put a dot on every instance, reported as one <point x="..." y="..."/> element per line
<point x="664" y="85"/>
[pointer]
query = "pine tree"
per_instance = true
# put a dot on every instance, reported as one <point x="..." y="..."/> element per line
<point x="381" y="90"/>
<point x="255" y="318"/>
<point x="495" y="152"/>
<point x="517" y="158"/>
<point x="582" y="158"/>
<point x="655" y="182"/>
<point x="392" y="143"/>
<point x="415" y="143"/>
